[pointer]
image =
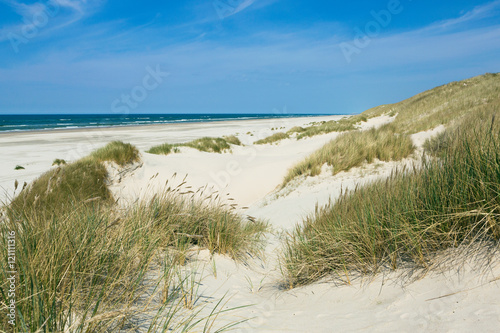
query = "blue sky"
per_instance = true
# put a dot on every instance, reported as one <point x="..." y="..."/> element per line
<point x="231" y="56"/>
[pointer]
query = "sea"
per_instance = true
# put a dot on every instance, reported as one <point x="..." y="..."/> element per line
<point x="18" y="123"/>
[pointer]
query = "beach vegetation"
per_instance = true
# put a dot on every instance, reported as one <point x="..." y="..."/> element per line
<point x="205" y="144"/>
<point x="118" y="152"/>
<point x="233" y="140"/>
<point x="58" y="161"/>
<point x="441" y="105"/>
<point x="275" y="138"/>
<point x="209" y="145"/>
<point x="18" y="167"/>
<point x="163" y="149"/>
<point x="324" y="127"/>
<point x="83" y="262"/>
<point x="295" y="129"/>
<point x="448" y="201"/>
<point x="58" y="190"/>
<point x="354" y="148"/>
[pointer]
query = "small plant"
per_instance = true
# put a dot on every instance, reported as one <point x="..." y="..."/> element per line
<point x="189" y="284"/>
<point x="276" y="137"/>
<point x="206" y="144"/>
<point x="59" y="190"/>
<point x="19" y="167"/>
<point x="210" y="145"/>
<point x="118" y="152"/>
<point x="253" y="288"/>
<point x="296" y="129"/>
<point x="232" y="139"/>
<point x="58" y="161"/>
<point x="163" y="149"/>
<point x="214" y="268"/>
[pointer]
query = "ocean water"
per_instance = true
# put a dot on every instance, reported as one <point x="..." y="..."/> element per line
<point x="15" y="123"/>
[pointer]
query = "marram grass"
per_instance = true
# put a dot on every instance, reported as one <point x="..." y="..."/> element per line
<point x="439" y="106"/>
<point x="65" y="187"/>
<point x="449" y="201"/>
<point x="276" y="137"/>
<point x="354" y="148"/>
<point x="205" y="144"/>
<point x="81" y="262"/>
<point x="443" y="104"/>
<point x="118" y="152"/>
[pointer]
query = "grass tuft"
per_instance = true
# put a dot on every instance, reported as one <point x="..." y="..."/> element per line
<point x="186" y="221"/>
<point x="210" y="145"/>
<point x="295" y="129"/>
<point x="59" y="190"/>
<point x="118" y="152"/>
<point x="206" y="144"/>
<point x="58" y="162"/>
<point x="232" y="139"/>
<point x="354" y="148"/>
<point x="163" y="149"/>
<point x="276" y="137"/>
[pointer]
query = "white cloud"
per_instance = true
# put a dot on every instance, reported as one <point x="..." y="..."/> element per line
<point x="479" y="12"/>
<point x="45" y="17"/>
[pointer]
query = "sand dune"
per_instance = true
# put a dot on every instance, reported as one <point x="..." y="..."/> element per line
<point x="464" y="299"/>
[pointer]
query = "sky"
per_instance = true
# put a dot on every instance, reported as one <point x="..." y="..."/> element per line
<point x="237" y="56"/>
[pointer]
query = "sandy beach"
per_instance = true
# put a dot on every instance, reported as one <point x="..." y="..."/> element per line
<point x="70" y="145"/>
<point x="460" y="300"/>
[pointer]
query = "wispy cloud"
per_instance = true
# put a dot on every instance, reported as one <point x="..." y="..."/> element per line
<point x="478" y="13"/>
<point x="44" y="18"/>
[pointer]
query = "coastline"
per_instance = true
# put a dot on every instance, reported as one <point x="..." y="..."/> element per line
<point x="189" y="122"/>
<point x="36" y="150"/>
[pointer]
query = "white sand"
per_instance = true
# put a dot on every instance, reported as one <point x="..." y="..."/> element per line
<point x="251" y="175"/>
<point x="36" y="151"/>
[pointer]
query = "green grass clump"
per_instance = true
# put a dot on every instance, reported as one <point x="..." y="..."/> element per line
<point x="295" y="129"/>
<point x="206" y="144"/>
<point x="232" y="139"/>
<point x="19" y="167"/>
<point x="450" y="201"/>
<point x="60" y="190"/>
<point x="354" y="148"/>
<point x="118" y="152"/>
<point x="440" y="143"/>
<point x="209" y="145"/>
<point x="163" y="149"/>
<point x="71" y="268"/>
<point x="185" y="221"/>
<point x="276" y="137"/>
<point x="58" y="161"/>
<point x="324" y="127"/>
<point x="341" y="125"/>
